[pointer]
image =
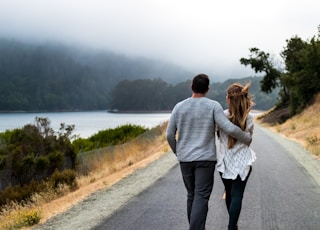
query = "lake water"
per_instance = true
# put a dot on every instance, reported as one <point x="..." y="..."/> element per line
<point x="86" y="123"/>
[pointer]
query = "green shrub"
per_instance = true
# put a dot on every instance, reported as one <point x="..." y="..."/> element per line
<point x="28" y="156"/>
<point x="65" y="177"/>
<point x="109" y="137"/>
<point x="56" y="159"/>
<point x="3" y="160"/>
<point x="83" y="145"/>
<point x="41" y="163"/>
<point x="20" y="193"/>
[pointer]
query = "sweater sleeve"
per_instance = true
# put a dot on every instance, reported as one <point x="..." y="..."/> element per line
<point x="223" y="123"/>
<point x="250" y="124"/>
<point x="171" y="133"/>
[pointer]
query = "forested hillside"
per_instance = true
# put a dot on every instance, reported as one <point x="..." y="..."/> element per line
<point x="156" y="95"/>
<point x="53" y="77"/>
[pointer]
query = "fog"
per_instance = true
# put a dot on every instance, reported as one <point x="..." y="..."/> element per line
<point x="199" y="35"/>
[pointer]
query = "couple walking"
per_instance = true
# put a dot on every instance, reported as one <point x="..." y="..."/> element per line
<point x="203" y="136"/>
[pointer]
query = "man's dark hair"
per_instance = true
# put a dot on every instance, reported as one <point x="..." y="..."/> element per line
<point x="200" y="83"/>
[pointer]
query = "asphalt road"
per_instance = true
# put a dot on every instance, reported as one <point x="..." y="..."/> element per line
<point x="282" y="193"/>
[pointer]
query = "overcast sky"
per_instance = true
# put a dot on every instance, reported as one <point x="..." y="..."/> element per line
<point x="200" y="35"/>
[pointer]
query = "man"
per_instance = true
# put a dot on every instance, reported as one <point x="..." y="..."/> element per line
<point x="194" y="121"/>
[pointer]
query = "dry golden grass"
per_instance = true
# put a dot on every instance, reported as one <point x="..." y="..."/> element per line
<point x="104" y="169"/>
<point x="15" y="216"/>
<point x="95" y="181"/>
<point x="107" y="168"/>
<point x="304" y="128"/>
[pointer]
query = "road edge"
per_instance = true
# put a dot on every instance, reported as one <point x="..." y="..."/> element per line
<point x="305" y="158"/>
<point x="105" y="202"/>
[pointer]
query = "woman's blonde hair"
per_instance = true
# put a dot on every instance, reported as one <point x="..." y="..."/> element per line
<point x="240" y="104"/>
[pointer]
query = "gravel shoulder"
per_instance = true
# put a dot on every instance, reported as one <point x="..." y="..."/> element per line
<point x="310" y="162"/>
<point x="102" y="203"/>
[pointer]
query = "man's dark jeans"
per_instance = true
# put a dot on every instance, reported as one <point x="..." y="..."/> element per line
<point x="198" y="179"/>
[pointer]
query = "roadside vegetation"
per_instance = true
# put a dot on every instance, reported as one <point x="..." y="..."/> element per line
<point x="27" y="187"/>
<point x="108" y="137"/>
<point x="296" y="112"/>
<point x="299" y="77"/>
<point x="303" y="128"/>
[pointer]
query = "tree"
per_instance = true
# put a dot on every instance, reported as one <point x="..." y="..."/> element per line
<point x="301" y="79"/>
<point x="140" y="95"/>
<point x="261" y="62"/>
<point x="34" y="152"/>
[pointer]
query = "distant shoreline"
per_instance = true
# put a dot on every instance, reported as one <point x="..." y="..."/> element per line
<point x="107" y="111"/>
<point x="47" y="111"/>
<point x="71" y="111"/>
<point x="138" y="111"/>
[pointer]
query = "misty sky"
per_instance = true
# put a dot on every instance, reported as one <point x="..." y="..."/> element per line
<point x="200" y="35"/>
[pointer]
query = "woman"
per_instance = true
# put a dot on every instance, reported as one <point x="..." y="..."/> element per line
<point x="235" y="158"/>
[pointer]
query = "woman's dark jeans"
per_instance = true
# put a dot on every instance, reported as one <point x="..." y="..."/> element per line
<point x="198" y="179"/>
<point x="234" y="194"/>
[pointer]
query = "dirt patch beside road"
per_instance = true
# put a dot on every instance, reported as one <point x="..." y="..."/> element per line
<point x="102" y="203"/>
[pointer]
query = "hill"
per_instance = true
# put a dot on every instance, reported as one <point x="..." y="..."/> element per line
<point x="52" y="77"/>
<point x="303" y="128"/>
<point x="55" y="77"/>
